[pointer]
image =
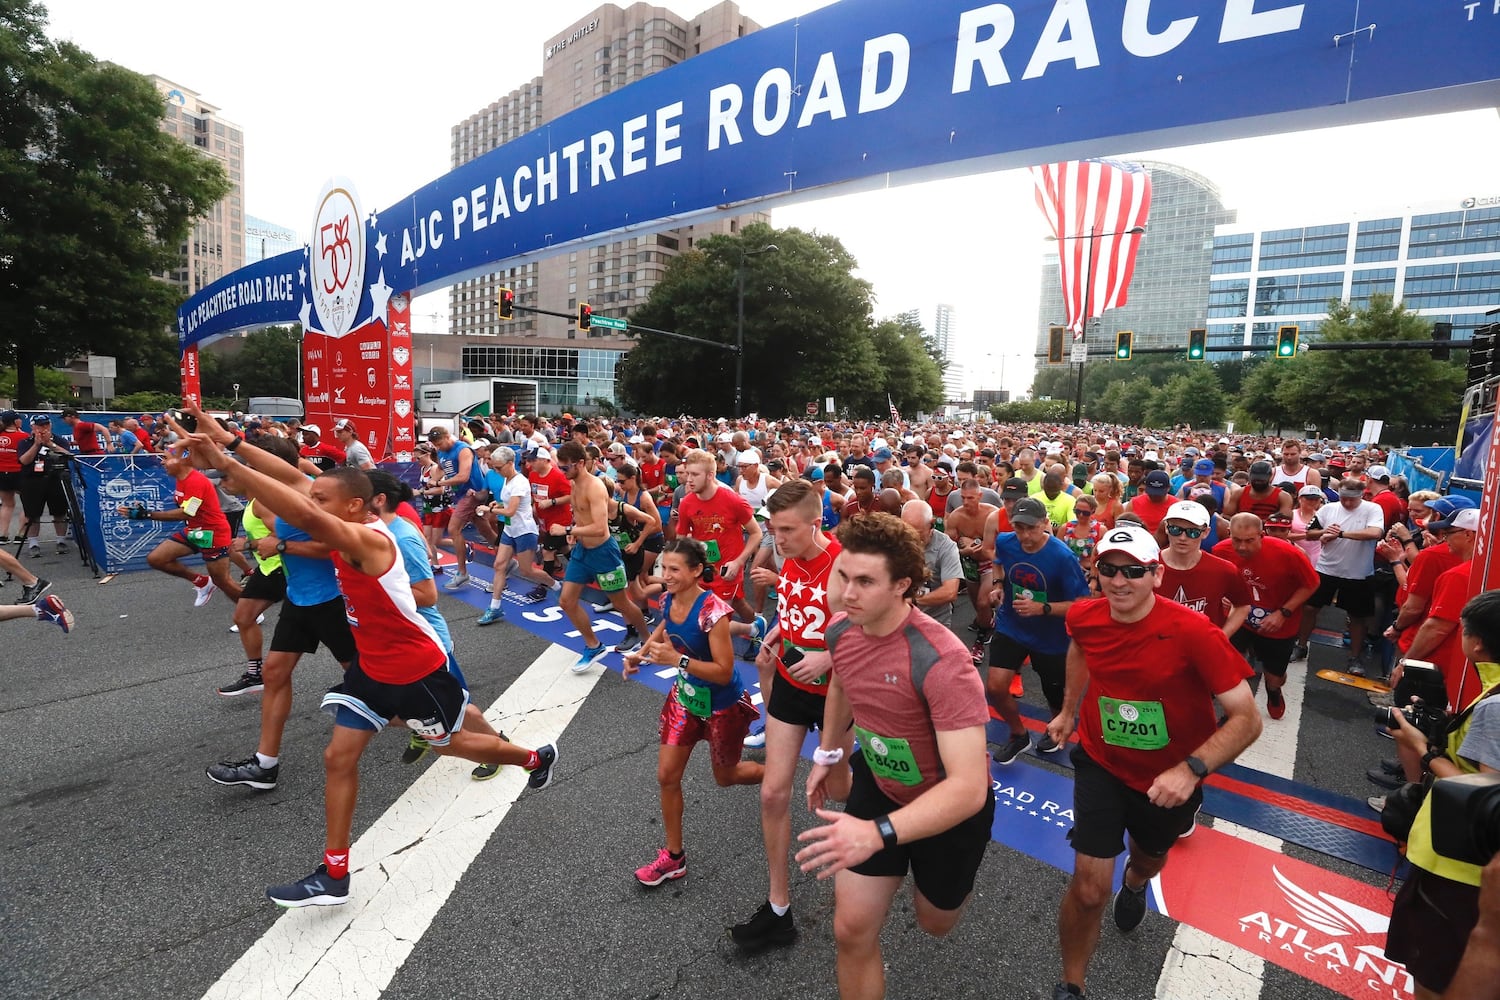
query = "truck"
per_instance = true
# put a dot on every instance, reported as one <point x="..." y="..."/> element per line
<point x="477" y="397"/>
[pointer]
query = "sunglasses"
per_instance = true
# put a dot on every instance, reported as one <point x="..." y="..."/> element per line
<point x="566" y="467"/>
<point x="1177" y="530"/>
<point x="1131" y="571"/>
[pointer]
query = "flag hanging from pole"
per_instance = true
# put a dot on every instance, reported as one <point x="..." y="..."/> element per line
<point x="895" y="413"/>
<point x="1108" y="199"/>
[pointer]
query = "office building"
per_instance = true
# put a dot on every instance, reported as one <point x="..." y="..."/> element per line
<point x="1441" y="261"/>
<point x="1169" y="289"/>
<point x="597" y="54"/>
<point x="943" y="333"/>
<point x="267" y="239"/>
<point x="216" y="244"/>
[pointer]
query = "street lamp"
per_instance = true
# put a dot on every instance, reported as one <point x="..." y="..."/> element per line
<point x="1088" y="303"/>
<point x="739" y="327"/>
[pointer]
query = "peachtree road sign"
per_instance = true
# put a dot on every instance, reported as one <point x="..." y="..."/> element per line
<point x="868" y="93"/>
<point x="609" y="323"/>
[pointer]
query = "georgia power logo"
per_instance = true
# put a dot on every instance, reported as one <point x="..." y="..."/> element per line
<point x="338" y="258"/>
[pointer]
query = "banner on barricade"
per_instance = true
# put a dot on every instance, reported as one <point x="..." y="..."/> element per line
<point x="119" y="543"/>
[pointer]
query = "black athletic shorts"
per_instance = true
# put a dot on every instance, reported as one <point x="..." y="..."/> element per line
<point x="944" y="865"/>
<point x="1430" y="924"/>
<point x="1008" y="654"/>
<point x="10" y="482"/>
<point x="43" y="491"/>
<point x="794" y="706"/>
<point x="300" y="628"/>
<point x="1105" y="809"/>
<point x="1357" y="597"/>
<point x="432" y="706"/>
<point x="1273" y="654"/>
<point x="265" y="586"/>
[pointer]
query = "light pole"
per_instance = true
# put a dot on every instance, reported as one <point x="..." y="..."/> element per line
<point x="1088" y="304"/>
<point x="739" y="326"/>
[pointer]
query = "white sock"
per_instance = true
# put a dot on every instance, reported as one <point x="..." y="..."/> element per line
<point x="554" y="586"/>
<point x="265" y="761"/>
<point x="494" y="604"/>
<point x="780" y="911"/>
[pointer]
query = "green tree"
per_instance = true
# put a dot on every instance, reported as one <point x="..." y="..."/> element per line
<point x="51" y="385"/>
<point x="94" y="200"/>
<point x="1123" y="401"/>
<point x="911" y="377"/>
<point x="1193" y="397"/>
<point x="1260" y="398"/>
<point x="263" y="363"/>
<point x="807" y="329"/>
<point x="1033" y="411"/>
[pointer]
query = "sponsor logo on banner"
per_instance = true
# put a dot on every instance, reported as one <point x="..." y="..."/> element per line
<point x="401" y="356"/>
<point x="337" y="258"/>
<point x="403" y="408"/>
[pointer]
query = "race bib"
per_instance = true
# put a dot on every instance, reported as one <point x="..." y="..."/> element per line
<point x="712" y="547"/>
<point x="1020" y="593"/>
<point x="201" y="537"/>
<point x="971" y="568"/>
<point x="428" y="729"/>
<point x="612" y="581"/>
<point x="191" y="505"/>
<point x="889" y="757"/>
<point x="696" y="698"/>
<point x="1135" y="725"/>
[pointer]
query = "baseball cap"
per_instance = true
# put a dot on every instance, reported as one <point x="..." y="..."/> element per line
<point x="815" y="474"/>
<point x="749" y="456"/>
<point x="344" y="424"/>
<point x="1351" y="488"/>
<point x="1080" y="471"/>
<point x="1157" y="483"/>
<point x="1028" y="511"/>
<point x="1133" y="540"/>
<point x="1317" y="456"/>
<point x="1260" y="472"/>
<point x="1188" y="510"/>
<point x="41" y="419"/>
<point x="312" y="429"/>
<point x="882" y="455"/>
<point x="1379" y="473"/>
<point x="1203" y="467"/>
<point x="9" y="416"/>
<point x="1014" y="487"/>
<point x="483" y="444"/>
<point x="1337" y="462"/>
<point x="1311" y="491"/>
<point x="617" y="449"/>
<point x="726" y="438"/>
<point x="1190" y="450"/>
<point x="1279" y="518"/>
<point x="542" y="453"/>
<point x="1466" y="518"/>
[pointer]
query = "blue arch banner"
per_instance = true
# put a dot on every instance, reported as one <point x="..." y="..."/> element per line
<point x="895" y="91"/>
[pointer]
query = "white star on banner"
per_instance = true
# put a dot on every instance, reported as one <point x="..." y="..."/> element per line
<point x="373" y="219"/>
<point x="380" y="298"/>
<point x="302" y="276"/>
<point x="380" y="246"/>
<point x="305" y="315"/>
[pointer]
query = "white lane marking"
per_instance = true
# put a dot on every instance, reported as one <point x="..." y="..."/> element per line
<point x="1198" y="964"/>
<point x="409" y="861"/>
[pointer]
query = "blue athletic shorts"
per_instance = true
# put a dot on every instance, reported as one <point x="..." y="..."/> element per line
<point x="586" y="565"/>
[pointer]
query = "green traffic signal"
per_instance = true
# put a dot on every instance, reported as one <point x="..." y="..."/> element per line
<point x="1286" y="342"/>
<point x="1197" y="344"/>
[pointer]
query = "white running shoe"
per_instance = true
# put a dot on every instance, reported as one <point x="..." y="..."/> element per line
<point x="259" y="620"/>
<point x="755" y="740"/>
<point x="203" y="593"/>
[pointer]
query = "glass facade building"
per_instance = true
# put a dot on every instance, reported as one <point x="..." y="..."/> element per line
<point x="1171" y="281"/>
<point x="267" y="239"/>
<point x="1440" y="261"/>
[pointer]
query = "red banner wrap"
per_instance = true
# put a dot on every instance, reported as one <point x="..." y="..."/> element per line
<point x="1485" y="569"/>
<point x="403" y="406"/>
<point x="192" y="385"/>
<point x="349" y="377"/>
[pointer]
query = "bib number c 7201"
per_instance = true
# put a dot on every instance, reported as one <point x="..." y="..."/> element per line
<point x="1134" y="725"/>
<point x="889" y="757"/>
<point x="696" y="698"/>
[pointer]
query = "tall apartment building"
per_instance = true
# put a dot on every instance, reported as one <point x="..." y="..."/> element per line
<point x="216" y="244"/>
<point x="1440" y="260"/>
<point x="598" y="54"/>
<point x="1170" y="286"/>
<point x="947" y="344"/>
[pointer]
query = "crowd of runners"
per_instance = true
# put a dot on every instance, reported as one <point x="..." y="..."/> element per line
<point x="1147" y="578"/>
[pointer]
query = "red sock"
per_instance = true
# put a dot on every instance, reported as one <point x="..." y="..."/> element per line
<point x="337" y="864"/>
<point x="532" y="761"/>
<point x="200" y="580"/>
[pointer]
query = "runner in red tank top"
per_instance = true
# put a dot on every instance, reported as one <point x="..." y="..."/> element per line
<point x="399" y="672"/>
<point x="11" y="437"/>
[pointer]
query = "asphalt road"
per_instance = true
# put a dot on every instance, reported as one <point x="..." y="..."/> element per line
<point x="127" y="873"/>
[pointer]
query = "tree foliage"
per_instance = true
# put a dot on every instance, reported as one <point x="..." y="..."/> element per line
<point x="51" y="385"/>
<point x="808" y="333"/>
<point x="94" y="200"/>
<point x="1033" y="411"/>
<point x="263" y="363"/>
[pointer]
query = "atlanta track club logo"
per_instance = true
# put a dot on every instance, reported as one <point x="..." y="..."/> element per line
<point x="338" y="258"/>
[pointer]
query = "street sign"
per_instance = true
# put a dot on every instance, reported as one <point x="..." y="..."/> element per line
<point x="609" y="322"/>
<point x="1080" y="352"/>
<point x="812" y="408"/>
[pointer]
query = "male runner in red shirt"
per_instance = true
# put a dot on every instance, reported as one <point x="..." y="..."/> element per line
<point x="722" y="520"/>
<point x="207" y="532"/>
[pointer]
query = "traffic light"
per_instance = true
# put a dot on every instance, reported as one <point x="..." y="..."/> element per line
<point x="507" y="303"/>
<point x="1286" y="342"/>
<point x="585" y="315"/>
<point x="1441" y="334"/>
<point x="1055" y="344"/>
<point x="1482" y="355"/>
<point x="1124" y="341"/>
<point x="1197" y="345"/>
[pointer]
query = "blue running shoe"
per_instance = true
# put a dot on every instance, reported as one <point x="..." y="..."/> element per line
<point x="491" y="616"/>
<point x="587" y="657"/>
<point x="317" y="889"/>
<point x="758" y="628"/>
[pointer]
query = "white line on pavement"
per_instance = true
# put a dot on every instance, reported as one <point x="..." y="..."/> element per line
<point x="409" y="861"/>
<point x="1200" y="965"/>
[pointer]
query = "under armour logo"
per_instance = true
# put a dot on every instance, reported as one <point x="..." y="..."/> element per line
<point x="892" y="679"/>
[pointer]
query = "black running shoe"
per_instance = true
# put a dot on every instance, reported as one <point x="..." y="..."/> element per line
<point x="317" y="889"/>
<point x="1013" y="748"/>
<point x="248" y="683"/>
<point x="484" y="772"/>
<point x="539" y="592"/>
<point x="765" y="930"/>
<point x="416" y="749"/>
<point x="245" y="772"/>
<point x="1379" y="777"/>
<point x="541" y="775"/>
<point x="30" y="594"/>
<point x="1130" y="907"/>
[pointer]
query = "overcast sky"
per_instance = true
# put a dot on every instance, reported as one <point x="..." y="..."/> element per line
<point x="975" y="243"/>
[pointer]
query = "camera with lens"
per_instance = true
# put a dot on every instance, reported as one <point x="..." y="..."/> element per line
<point x="1430" y="722"/>
<point x="189" y="423"/>
<point x="55" y="460"/>
<point x="1466" y="817"/>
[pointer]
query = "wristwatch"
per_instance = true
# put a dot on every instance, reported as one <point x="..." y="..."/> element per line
<point x="1432" y="754"/>
<point x="1046" y="609"/>
<point x="682" y="664"/>
<point x="1199" y="769"/>
<point x="887" y="830"/>
<point x="281" y="546"/>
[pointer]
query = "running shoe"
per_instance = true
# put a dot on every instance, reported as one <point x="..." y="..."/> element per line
<point x="631" y="642"/>
<point x="30" y="593"/>
<point x="1384" y="780"/>
<point x="317" y="889"/>
<point x="1013" y="748"/>
<point x="1390" y="765"/>
<point x="51" y="609"/>
<point x="249" y="683"/>
<point x="416" y="749"/>
<point x="756" y="741"/>
<point x="458" y="582"/>
<point x="541" y="775"/>
<point x="62" y="546"/>
<point x="491" y="616"/>
<point x="484" y="772"/>
<point x="245" y="772"/>
<point x="1355" y="667"/>
<point x="1130" y="907"/>
<point x="1067" y="991"/>
<point x="664" y="868"/>
<point x="202" y="594"/>
<point x="765" y="930"/>
<point x="1376" y="802"/>
<point x="539" y="592"/>
<point x="976" y="652"/>
<point x="259" y="620"/>
<point x="1047" y="745"/>
<point x="34" y="551"/>
<point x="587" y="657"/>
<point x="1275" y="704"/>
<point x="1193" y="826"/>
<point x="758" y="629"/>
<point x="1299" y="652"/>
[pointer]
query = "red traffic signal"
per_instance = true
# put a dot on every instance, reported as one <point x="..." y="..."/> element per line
<point x="585" y="315"/>
<point x="507" y="303"/>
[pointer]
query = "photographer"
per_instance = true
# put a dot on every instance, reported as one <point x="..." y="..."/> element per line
<point x="1438" y="905"/>
<point x="44" y="463"/>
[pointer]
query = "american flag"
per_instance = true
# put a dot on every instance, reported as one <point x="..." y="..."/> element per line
<point x="1108" y="198"/>
<point x="895" y="413"/>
